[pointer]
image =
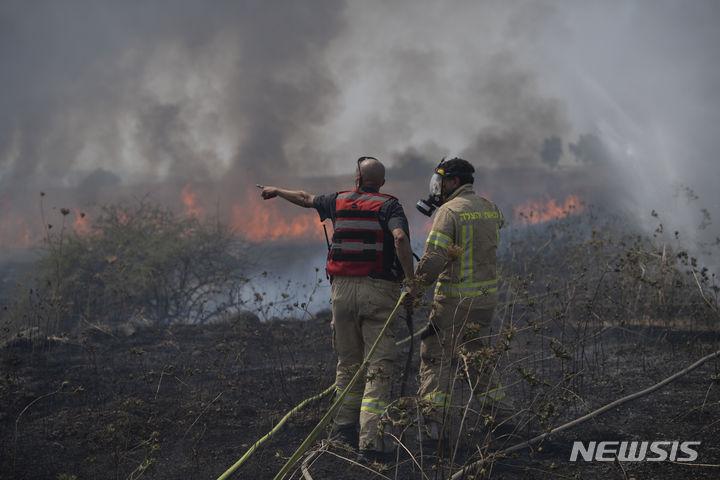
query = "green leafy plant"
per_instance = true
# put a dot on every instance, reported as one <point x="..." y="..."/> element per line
<point x="138" y="262"/>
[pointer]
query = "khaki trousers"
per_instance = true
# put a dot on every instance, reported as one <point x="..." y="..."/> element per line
<point x="438" y="361"/>
<point x="360" y="307"/>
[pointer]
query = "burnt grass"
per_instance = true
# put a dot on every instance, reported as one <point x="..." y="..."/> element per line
<point x="187" y="401"/>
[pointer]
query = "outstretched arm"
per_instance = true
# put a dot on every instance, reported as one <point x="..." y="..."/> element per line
<point x="298" y="197"/>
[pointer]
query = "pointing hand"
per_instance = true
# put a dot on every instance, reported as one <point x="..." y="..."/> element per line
<point x="267" y="192"/>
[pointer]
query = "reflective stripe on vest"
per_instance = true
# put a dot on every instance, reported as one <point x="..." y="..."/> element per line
<point x="359" y="241"/>
<point x="357" y="224"/>
<point x="353" y="246"/>
<point x="367" y="196"/>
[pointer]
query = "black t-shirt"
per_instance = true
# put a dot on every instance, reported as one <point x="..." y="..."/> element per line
<point x="391" y="212"/>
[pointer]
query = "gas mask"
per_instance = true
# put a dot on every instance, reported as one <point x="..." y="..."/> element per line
<point x="437" y="192"/>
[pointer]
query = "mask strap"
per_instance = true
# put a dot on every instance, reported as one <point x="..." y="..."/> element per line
<point x="440" y="171"/>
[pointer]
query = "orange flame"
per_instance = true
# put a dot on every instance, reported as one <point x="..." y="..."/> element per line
<point x="189" y="199"/>
<point x="15" y="232"/>
<point x="81" y="225"/>
<point x="14" y="229"/>
<point x="538" y="211"/>
<point x="261" y="221"/>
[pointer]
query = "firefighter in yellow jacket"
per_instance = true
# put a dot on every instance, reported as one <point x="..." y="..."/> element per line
<point x="460" y="254"/>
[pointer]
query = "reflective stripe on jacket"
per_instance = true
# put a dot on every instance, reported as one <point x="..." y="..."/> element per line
<point x="461" y="249"/>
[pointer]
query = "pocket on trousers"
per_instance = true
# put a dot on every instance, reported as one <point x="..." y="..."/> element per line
<point x="383" y="293"/>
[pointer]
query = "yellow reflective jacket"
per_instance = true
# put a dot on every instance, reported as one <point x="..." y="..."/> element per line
<point x="461" y="250"/>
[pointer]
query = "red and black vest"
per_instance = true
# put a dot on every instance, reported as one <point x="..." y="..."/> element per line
<point x="361" y="243"/>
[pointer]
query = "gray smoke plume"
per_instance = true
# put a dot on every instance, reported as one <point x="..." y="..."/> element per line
<point x="522" y="118"/>
<point x="615" y="101"/>
<point x="552" y="151"/>
<point x="589" y="148"/>
<point x="165" y="89"/>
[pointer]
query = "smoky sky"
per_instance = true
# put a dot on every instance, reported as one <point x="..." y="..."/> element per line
<point x="162" y="88"/>
<point x="615" y="100"/>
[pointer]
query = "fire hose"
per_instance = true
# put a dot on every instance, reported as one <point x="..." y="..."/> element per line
<point x="408" y="362"/>
<point x="262" y="440"/>
<point x="325" y="419"/>
<point x="338" y="401"/>
<point x="328" y="390"/>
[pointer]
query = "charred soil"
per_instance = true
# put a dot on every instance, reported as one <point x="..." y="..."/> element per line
<point x="188" y="401"/>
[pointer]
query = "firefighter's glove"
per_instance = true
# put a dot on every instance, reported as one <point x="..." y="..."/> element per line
<point x="410" y="300"/>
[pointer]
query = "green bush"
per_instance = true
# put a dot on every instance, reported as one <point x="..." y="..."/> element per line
<point x="136" y="262"/>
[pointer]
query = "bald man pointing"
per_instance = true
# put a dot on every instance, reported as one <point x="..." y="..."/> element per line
<point x="369" y="255"/>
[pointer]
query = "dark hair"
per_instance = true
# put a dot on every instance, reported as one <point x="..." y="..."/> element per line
<point x="457" y="167"/>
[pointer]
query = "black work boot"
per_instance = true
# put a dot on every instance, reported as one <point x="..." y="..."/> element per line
<point x="347" y="434"/>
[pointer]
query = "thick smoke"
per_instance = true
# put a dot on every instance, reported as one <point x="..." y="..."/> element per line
<point x="163" y="89"/>
<point x="589" y="148"/>
<point x="615" y="101"/>
<point x="521" y="117"/>
<point x="552" y="151"/>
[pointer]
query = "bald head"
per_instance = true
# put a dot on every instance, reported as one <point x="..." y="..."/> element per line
<point x="370" y="173"/>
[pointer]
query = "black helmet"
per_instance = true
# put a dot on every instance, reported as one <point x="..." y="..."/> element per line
<point x="458" y="167"/>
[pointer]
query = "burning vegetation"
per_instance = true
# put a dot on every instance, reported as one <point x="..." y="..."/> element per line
<point x="132" y="352"/>
<point x="259" y="221"/>
<point x="536" y="211"/>
<point x="256" y="221"/>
